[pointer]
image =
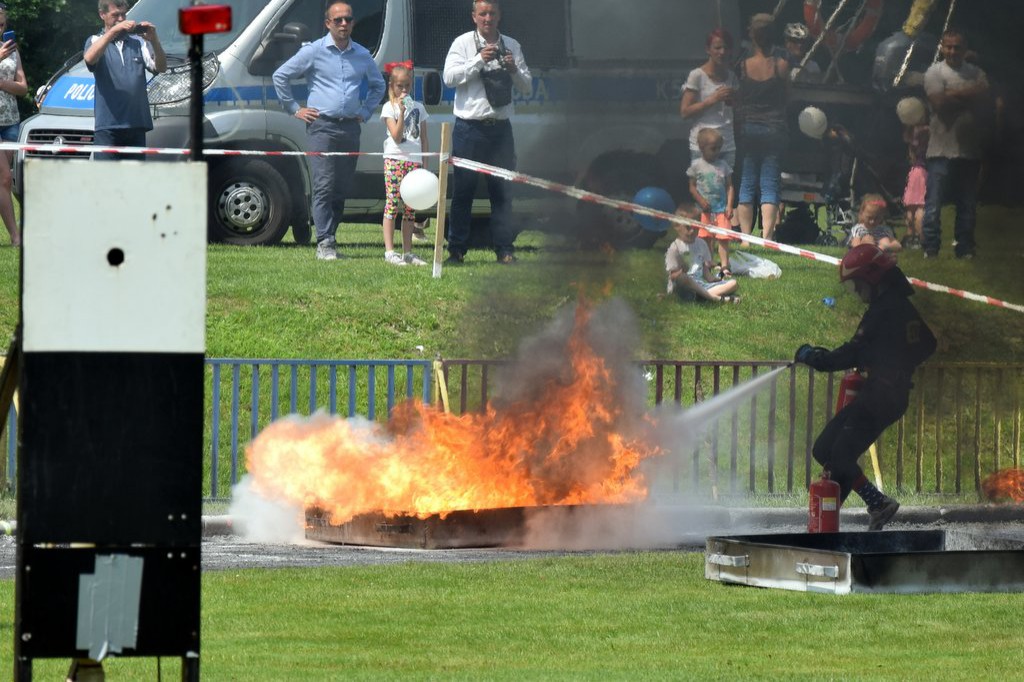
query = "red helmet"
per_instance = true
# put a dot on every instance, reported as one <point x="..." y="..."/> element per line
<point x="867" y="263"/>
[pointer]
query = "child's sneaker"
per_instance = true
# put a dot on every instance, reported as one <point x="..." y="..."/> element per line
<point x="393" y="258"/>
<point x="413" y="259"/>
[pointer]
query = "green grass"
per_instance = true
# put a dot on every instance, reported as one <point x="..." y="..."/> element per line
<point x="626" y="616"/>
<point x="279" y="302"/>
<point x="621" y="616"/>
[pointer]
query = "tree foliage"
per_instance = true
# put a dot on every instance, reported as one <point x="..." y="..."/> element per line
<point x="50" y="32"/>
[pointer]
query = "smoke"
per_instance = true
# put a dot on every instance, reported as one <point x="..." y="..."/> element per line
<point x="617" y="527"/>
<point x="258" y="519"/>
<point x="649" y="525"/>
<point x="612" y="333"/>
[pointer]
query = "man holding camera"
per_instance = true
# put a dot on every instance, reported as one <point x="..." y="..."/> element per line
<point x="118" y="59"/>
<point x="483" y="65"/>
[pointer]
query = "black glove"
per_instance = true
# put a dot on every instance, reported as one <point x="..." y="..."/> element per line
<point x="807" y="353"/>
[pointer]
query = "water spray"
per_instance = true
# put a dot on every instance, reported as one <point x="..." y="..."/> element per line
<point x="693" y="422"/>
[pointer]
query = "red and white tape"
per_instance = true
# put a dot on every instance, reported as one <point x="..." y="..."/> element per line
<point x="172" y="151"/>
<point x="521" y="178"/>
<point x="575" y="192"/>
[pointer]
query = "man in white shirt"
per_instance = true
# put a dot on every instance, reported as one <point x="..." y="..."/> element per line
<point x="955" y="90"/>
<point x="482" y="130"/>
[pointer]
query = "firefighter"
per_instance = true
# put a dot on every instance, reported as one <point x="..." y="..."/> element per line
<point x="890" y="342"/>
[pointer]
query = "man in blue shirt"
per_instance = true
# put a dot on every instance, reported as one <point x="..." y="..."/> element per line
<point x="334" y="67"/>
<point x="119" y="58"/>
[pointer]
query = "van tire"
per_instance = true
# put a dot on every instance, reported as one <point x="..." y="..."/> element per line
<point x="617" y="174"/>
<point x="249" y="203"/>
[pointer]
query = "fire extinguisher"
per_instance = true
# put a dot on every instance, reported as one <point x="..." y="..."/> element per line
<point x="824" y="511"/>
<point x="849" y="387"/>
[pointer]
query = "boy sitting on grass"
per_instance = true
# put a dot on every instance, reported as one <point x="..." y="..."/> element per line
<point x="688" y="264"/>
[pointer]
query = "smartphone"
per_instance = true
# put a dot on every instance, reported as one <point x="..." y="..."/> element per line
<point x="8" y="35"/>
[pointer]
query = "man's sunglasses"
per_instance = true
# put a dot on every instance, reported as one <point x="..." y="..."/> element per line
<point x="338" y="21"/>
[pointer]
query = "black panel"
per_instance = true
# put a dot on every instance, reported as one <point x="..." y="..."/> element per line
<point x="111" y="448"/>
<point x="47" y="583"/>
<point x="538" y="25"/>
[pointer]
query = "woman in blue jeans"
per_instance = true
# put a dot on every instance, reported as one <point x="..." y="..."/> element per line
<point x="764" y="82"/>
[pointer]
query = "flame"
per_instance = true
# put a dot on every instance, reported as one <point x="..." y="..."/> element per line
<point x="1004" y="485"/>
<point x="567" y="442"/>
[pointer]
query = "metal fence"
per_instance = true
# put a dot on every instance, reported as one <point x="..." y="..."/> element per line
<point x="963" y="423"/>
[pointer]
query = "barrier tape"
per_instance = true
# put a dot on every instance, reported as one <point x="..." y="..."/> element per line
<point x="521" y="178"/>
<point x="582" y="195"/>
<point x="171" y="151"/>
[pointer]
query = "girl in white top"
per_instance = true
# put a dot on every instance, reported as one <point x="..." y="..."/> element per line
<point x="12" y="86"/>
<point x="404" y="145"/>
<point x="708" y="96"/>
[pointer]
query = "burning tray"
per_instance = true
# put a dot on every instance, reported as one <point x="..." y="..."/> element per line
<point x="583" y="526"/>
<point x="463" y="528"/>
<point x="895" y="561"/>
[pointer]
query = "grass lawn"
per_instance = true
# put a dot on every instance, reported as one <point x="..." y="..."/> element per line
<point x="620" y="616"/>
<point x="279" y="302"/>
<point x="625" y="616"/>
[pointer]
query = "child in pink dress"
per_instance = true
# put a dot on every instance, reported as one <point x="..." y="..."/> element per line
<point x="916" y="137"/>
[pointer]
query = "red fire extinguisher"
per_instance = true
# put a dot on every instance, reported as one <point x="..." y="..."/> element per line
<point x="849" y="387"/>
<point x="824" y="511"/>
<point x="823" y="515"/>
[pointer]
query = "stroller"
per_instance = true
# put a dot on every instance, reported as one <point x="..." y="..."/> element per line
<point x="806" y="194"/>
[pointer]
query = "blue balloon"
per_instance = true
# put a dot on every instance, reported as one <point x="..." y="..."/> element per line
<point x="657" y="199"/>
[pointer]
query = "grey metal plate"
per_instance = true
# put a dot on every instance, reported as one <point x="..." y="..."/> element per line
<point x="896" y="561"/>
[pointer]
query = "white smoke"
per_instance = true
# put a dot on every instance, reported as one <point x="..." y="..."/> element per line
<point x="258" y="519"/>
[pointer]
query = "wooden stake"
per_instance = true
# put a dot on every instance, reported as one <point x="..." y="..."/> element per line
<point x="442" y="196"/>
<point x="878" y="469"/>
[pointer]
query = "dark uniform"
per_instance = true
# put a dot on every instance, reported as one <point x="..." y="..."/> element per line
<point x="890" y="342"/>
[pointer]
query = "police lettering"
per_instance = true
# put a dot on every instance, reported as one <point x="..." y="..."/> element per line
<point x="82" y="92"/>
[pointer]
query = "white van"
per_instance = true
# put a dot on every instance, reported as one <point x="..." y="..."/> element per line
<point x="605" y="97"/>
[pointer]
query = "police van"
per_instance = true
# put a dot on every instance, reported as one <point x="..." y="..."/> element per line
<point x="603" y="108"/>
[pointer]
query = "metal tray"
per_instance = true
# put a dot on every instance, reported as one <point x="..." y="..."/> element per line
<point x="462" y="528"/>
<point x="912" y="561"/>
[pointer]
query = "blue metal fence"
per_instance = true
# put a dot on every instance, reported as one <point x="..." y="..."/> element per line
<point x="249" y="394"/>
<point x="964" y="420"/>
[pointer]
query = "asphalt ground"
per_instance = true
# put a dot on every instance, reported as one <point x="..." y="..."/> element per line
<point x="685" y="529"/>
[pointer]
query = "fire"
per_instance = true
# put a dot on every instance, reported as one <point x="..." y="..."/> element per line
<point x="567" y="442"/>
<point x="1004" y="485"/>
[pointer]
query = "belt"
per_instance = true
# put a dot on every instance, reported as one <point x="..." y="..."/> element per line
<point x="334" y="119"/>
<point x="484" y="121"/>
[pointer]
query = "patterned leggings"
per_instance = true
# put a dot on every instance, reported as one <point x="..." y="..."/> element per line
<point x="394" y="171"/>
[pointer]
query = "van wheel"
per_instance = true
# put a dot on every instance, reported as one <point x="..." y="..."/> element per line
<point x="249" y="203"/>
<point x="617" y="175"/>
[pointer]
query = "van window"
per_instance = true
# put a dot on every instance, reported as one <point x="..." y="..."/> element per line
<point x="304" y="22"/>
<point x="538" y="25"/>
<point x="164" y="15"/>
<point x="309" y="14"/>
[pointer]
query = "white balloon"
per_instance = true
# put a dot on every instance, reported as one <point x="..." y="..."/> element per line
<point x="911" y="111"/>
<point x="813" y="122"/>
<point x="419" y="189"/>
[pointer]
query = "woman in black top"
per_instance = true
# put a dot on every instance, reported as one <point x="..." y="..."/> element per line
<point x="761" y="113"/>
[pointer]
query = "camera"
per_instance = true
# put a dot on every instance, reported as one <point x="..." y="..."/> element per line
<point x="139" y="29"/>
